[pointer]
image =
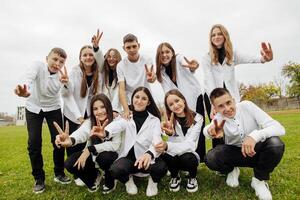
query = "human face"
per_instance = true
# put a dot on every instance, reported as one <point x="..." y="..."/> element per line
<point x="140" y="101"/>
<point x="217" y="38"/>
<point x="176" y="105"/>
<point x="87" y="57"/>
<point x="99" y="111"/>
<point x="166" y="55"/>
<point x="225" y="105"/>
<point x="112" y="59"/>
<point x="55" y="62"/>
<point x="132" y="50"/>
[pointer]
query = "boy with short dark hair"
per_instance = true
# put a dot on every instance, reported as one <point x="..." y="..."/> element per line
<point x="42" y="89"/>
<point x="133" y="71"/>
<point x="251" y="140"/>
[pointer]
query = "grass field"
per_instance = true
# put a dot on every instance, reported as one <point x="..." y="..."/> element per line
<point x="16" y="181"/>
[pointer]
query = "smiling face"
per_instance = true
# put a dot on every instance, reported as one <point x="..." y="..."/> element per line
<point x="112" y="59"/>
<point x="99" y="111"/>
<point x="176" y="105"/>
<point x="87" y="57"/>
<point x="55" y="62"/>
<point x="140" y="101"/>
<point x="225" y="105"/>
<point x="217" y="38"/>
<point x="166" y="55"/>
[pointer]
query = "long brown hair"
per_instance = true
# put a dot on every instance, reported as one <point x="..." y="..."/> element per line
<point x="151" y="108"/>
<point x="95" y="72"/>
<point x="106" y="66"/>
<point x="227" y="45"/>
<point x="172" y="64"/>
<point x="189" y="114"/>
<point x="107" y="104"/>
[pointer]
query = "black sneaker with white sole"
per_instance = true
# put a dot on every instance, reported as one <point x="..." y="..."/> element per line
<point x="39" y="186"/>
<point x="62" y="179"/>
<point x="109" y="189"/>
<point x="174" y="184"/>
<point x="192" y="185"/>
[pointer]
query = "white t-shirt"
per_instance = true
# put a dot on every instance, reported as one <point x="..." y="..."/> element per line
<point x="133" y="74"/>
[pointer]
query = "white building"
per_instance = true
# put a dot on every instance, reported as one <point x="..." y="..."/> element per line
<point x="21" y="120"/>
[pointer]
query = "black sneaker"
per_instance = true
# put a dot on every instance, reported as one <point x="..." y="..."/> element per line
<point x="174" y="184"/>
<point x="106" y="189"/>
<point x="96" y="185"/>
<point x="39" y="186"/>
<point x="192" y="185"/>
<point x="62" y="179"/>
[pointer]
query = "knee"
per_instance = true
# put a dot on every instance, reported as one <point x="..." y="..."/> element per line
<point x="275" y="146"/>
<point x="211" y="160"/>
<point x="189" y="159"/>
<point x="117" y="171"/>
<point x="105" y="159"/>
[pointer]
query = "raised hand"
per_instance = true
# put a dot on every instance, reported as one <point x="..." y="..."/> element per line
<point x="266" y="52"/>
<point x="64" y="78"/>
<point x="22" y="91"/>
<point x="143" y="161"/>
<point x="62" y="139"/>
<point x="150" y="74"/>
<point x="216" y="130"/>
<point x="168" y="125"/>
<point x="96" y="38"/>
<point x="82" y="159"/>
<point x="248" y="147"/>
<point x="98" y="131"/>
<point x="192" y="65"/>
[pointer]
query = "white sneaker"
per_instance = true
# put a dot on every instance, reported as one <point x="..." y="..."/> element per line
<point x="151" y="188"/>
<point x="79" y="182"/>
<point x="192" y="185"/>
<point x="131" y="187"/>
<point x="261" y="189"/>
<point x="233" y="177"/>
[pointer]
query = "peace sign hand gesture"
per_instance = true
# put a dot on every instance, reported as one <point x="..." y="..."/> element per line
<point x="62" y="139"/>
<point x="216" y="130"/>
<point x="168" y="125"/>
<point x="22" y="91"/>
<point x="64" y="78"/>
<point x="98" y="131"/>
<point x="96" y="38"/>
<point x="266" y="52"/>
<point x="150" y="74"/>
<point x="192" y="65"/>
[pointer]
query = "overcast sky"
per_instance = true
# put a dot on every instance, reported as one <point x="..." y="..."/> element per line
<point x="29" y="29"/>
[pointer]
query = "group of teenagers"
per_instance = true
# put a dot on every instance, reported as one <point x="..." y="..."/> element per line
<point x="110" y="122"/>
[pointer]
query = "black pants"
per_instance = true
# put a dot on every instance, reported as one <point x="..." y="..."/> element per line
<point x="34" y="128"/>
<point x="224" y="158"/>
<point x="201" y="149"/>
<point x="73" y="127"/>
<point x="187" y="162"/>
<point x="89" y="173"/>
<point x="123" y="167"/>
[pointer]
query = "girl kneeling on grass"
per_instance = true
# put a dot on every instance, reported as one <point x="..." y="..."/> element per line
<point x="98" y="151"/>
<point x="141" y="132"/>
<point x="179" y="150"/>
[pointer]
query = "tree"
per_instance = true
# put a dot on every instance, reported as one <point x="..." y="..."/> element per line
<point x="292" y="72"/>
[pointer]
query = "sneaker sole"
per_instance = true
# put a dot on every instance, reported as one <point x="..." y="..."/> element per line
<point x="192" y="190"/>
<point x="39" y="192"/>
<point x="64" y="183"/>
<point x="174" y="189"/>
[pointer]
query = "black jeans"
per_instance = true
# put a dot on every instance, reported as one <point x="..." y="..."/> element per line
<point x="187" y="162"/>
<point x="89" y="173"/>
<point x="224" y="158"/>
<point x="34" y="128"/>
<point x="73" y="127"/>
<point x="123" y="167"/>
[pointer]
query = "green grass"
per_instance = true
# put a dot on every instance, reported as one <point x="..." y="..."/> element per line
<point x="16" y="181"/>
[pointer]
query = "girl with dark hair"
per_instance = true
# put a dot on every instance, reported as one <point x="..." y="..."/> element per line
<point x="141" y="132"/>
<point x="85" y="81"/>
<point x="98" y="151"/>
<point x="177" y="72"/>
<point x="182" y="125"/>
